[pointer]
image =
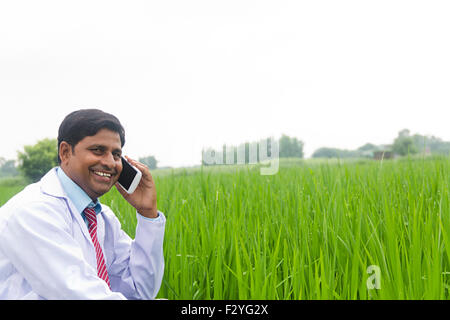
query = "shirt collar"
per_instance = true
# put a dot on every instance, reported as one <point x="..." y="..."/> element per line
<point x="77" y="195"/>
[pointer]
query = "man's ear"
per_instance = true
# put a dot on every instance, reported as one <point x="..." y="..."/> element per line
<point x="65" y="151"/>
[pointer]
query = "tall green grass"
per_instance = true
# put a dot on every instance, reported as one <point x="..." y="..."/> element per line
<point x="308" y="232"/>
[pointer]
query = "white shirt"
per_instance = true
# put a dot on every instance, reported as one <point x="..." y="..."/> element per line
<point x="46" y="251"/>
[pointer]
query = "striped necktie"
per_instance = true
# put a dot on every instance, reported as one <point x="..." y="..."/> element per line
<point x="101" y="265"/>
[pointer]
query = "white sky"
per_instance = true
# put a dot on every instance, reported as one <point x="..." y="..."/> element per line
<point x="182" y="75"/>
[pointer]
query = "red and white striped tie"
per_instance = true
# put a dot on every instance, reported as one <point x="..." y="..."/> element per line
<point x="101" y="265"/>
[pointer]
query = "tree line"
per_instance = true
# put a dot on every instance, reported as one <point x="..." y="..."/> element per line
<point x="404" y="144"/>
<point x="36" y="160"/>
<point x="290" y="147"/>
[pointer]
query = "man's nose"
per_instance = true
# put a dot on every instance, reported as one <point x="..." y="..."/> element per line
<point x="108" y="161"/>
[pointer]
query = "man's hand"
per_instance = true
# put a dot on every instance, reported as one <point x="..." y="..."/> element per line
<point x="143" y="199"/>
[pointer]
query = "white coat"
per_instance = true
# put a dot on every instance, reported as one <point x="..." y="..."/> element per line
<point x="46" y="251"/>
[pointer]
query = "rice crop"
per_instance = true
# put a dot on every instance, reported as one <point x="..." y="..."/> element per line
<point x="314" y="230"/>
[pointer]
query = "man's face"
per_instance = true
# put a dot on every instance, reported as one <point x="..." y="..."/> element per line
<point x="95" y="163"/>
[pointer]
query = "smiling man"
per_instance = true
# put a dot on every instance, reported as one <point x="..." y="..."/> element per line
<point x="57" y="241"/>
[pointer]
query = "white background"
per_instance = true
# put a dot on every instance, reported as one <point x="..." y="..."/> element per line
<point x="182" y="75"/>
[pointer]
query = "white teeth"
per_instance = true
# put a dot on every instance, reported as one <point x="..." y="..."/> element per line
<point x="102" y="174"/>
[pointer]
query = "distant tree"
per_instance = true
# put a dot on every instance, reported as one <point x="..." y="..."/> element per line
<point x="290" y="147"/>
<point x="367" y="150"/>
<point x="335" y="153"/>
<point x="7" y="168"/>
<point x="404" y="133"/>
<point x="36" y="160"/>
<point x="368" y="147"/>
<point x="431" y="144"/>
<point x="404" y="144"/>
<point x="326" y="153"/>
<point x="149" y="161"/>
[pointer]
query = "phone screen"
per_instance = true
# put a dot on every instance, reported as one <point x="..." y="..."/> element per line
<point x="127" y="175"/>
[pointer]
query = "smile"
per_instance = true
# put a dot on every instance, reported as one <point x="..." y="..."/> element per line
<point x="102" y="174"/>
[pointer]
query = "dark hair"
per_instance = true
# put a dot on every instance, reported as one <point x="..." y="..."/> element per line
<point x="87" y="122"/>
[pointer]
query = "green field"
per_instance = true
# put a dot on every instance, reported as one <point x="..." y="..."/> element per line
<point x="308" y="232"/>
